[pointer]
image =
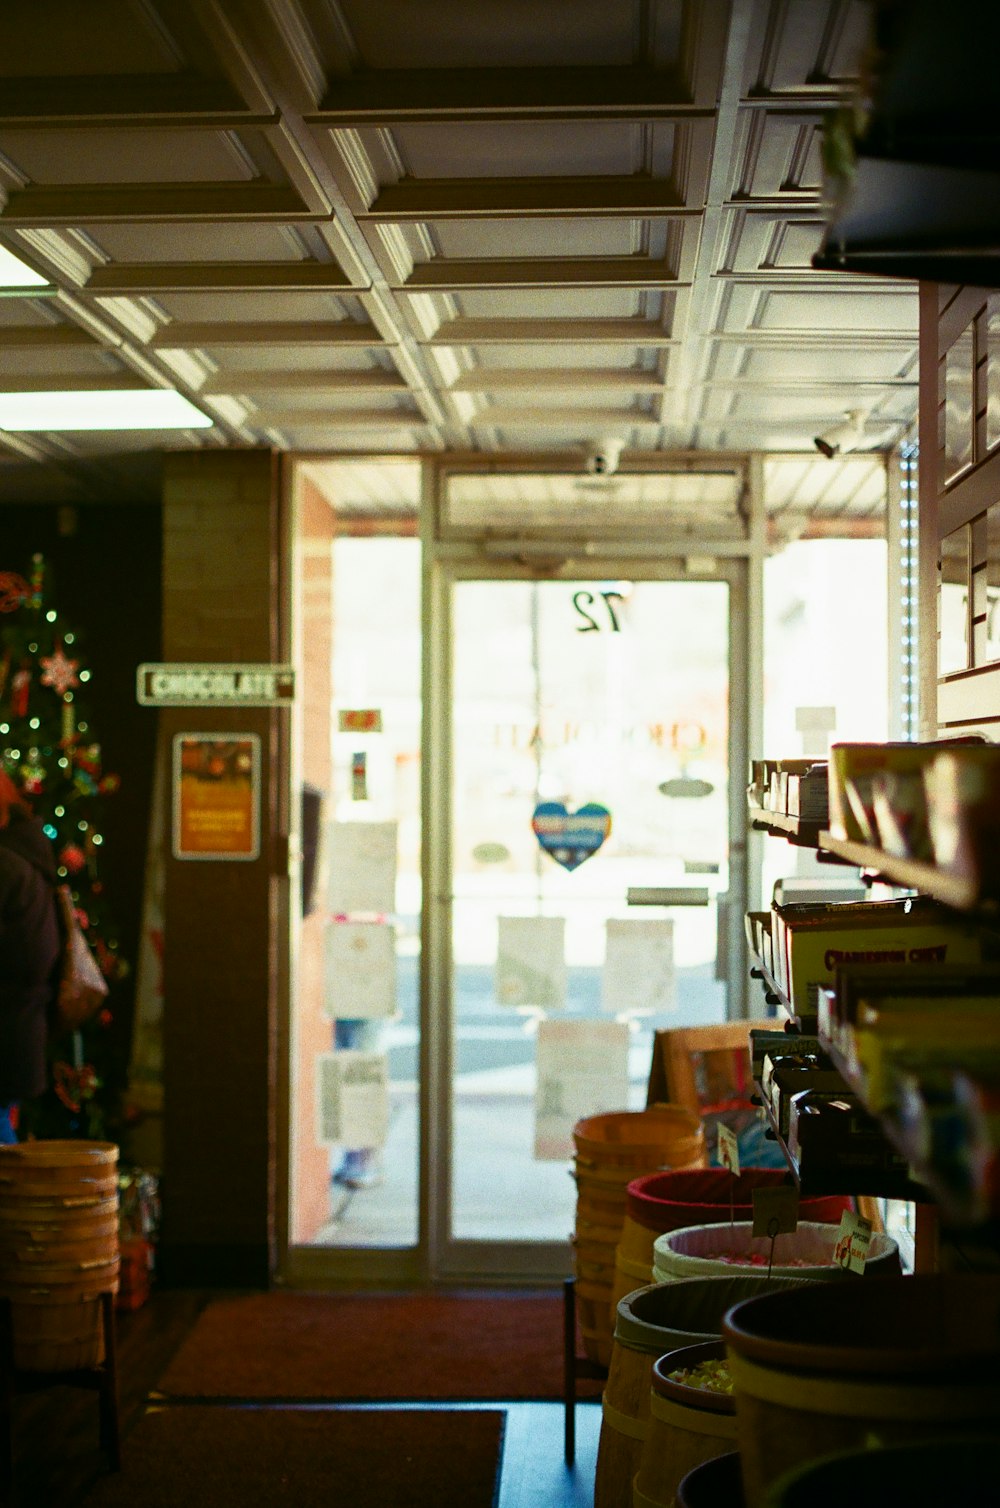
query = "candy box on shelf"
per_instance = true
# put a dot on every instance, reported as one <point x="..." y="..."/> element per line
<point x="912" y="1034"/>
<point x="893" y="770"/>
<point x="789" y="1073"/>
<point x="829" y="1134"/>
<point x="816" y="890"/>
<point x="963" y="813"/>
<point x="764" y="1041"/>
<point x="807" y="793"/>
<point x="759" y="789"/>
<point x="757" y="925"/>
<point x="940" y="986"/>
<point x="812" y="942"/>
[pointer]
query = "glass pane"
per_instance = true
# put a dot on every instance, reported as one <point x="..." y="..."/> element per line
<point x="958" y="405"/>
<point x="953" y="603"/>
<point x="611" y="694"/>
<point x="992" y="370"/>
<point x="372" y="938"/>
<point x="993" y="582"/>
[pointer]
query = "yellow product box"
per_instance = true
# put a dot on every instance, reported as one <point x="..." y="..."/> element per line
<point x="812" y="942"/>
<point x="942" y="988"/>
<point x="918" y="1041"/>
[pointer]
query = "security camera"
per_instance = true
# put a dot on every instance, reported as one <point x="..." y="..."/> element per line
<point x="602" y="456"/>
<point x="843" y="437"/>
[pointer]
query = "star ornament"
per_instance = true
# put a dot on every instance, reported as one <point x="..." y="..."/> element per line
<point x="59" y="671"/>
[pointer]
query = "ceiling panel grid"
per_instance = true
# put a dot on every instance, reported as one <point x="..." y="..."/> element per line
<point x="478" y="226"/>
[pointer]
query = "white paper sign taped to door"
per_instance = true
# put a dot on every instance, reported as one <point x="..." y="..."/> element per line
<point x="362" y="867"/>
<point x="638" y="972"/>
<point x="582" y="1069"/>
<point x="359" y="980"/>
<point x="353" y="1098"/>
<point x="531" y="962"/>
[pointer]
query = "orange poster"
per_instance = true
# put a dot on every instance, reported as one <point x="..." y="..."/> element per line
<point x="216" y="796"/>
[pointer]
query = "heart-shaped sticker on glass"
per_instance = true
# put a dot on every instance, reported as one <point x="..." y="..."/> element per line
<point x="570" y="837"/>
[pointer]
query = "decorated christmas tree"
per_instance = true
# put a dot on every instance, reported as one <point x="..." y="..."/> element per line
<point x="49" y="749"/>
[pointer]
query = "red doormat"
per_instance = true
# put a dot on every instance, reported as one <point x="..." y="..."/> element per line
<point x="204" y="1456"/>
<point x="445" y="1347"/>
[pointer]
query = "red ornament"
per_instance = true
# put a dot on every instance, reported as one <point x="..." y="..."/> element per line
<point x="13" y="591"/>
<point x="110" y="784"/>
<point x="89" y="759"/>
<point x="60" y="671"/>
<point x="73" y="858"/>
<point x="105" y="1018"/>
<point x="20" y="689"/>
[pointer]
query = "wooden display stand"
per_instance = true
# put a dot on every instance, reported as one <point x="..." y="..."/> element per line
<point x="102" y="1378"/>
<point x="673" y="1075"/>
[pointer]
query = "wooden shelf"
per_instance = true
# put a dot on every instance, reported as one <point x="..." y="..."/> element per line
<point x="925" y="1181"/>
<point x="910" y="874"/>
<point x="798" y="830"/>
<point x="773" y="994"/>
<point x="850" y="1181"/>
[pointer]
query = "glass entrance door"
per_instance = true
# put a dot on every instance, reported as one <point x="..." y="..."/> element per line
<point x="589" y="748"/>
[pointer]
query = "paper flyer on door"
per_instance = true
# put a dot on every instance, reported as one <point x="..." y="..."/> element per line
<point x="359" y="979"/>
<point x="352" y="1098"/>
<point x="362" y="867"/>
<point x="581" y="1069"/>
<point x="531" y="962"/>
<point x="638" y="973"/>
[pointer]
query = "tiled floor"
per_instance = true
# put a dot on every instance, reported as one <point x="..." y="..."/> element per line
<point x="534" y="1473"/>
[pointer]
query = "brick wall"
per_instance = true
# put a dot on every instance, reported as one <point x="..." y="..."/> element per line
<point x="221" y="602"/>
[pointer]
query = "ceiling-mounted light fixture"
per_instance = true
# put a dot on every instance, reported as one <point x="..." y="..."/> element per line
<point x="843" y="437"/>
<point x="105" y="409"/>
<point x="602" y="456"/>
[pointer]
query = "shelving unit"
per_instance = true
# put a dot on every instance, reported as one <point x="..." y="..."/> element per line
<point x="773" y="994"/>
<point x="798" y="830"/>
<point x="923" y="1184"/>
<point x="927" y="1183"/>
<point x="910" y="874"/>
<point x="878" y="1183"/>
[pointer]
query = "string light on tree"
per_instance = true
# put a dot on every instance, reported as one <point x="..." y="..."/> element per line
<point x="47" y="748"/>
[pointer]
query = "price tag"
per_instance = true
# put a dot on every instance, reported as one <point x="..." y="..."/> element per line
<point x="853" y="1240"/>
<point x="729" y="1150"/>
<point x="775" y="1211"/>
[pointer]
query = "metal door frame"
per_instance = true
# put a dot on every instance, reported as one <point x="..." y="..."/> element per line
<point x="446" y="562"/>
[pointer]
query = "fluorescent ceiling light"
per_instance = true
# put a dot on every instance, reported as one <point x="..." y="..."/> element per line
<point x="143" y="408"/>
<point x="14" y="273"/>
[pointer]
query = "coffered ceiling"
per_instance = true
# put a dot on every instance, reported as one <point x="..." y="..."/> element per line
<point x="417" y="226"/>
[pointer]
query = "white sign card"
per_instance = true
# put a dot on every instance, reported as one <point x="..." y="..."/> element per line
<point x="362" y="867"/>
<point x="352" y="1098"/>
<point x="638" y="970"/>
<point x="853" y="1240"/>
<point x="729" y="1149"/>
<point x="581" y="1069"/>
<point x="360" y="970"/>
<point x="531" y="962"/>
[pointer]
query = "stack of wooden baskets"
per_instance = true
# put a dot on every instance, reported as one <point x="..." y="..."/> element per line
<point x="612" y="1150"/>
<point x="58" y="1249"/>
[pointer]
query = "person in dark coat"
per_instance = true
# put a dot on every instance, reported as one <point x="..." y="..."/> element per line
<point x="30" y="951"/>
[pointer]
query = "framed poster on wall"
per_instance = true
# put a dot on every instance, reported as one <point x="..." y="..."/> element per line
<point x="216" y="796"/>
